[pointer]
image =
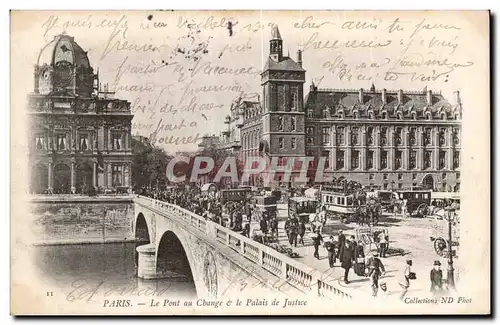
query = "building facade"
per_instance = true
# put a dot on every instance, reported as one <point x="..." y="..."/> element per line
<point x="79" y="136"/>
<point x="385" y="139"/>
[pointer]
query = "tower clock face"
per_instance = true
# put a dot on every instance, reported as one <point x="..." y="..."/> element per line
<point x="45" y="80"/>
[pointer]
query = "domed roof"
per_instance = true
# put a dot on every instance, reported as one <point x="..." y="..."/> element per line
<point x="63" y="48"/>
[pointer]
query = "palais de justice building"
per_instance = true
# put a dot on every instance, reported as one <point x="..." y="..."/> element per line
<point x="381" y="138"/>
<point x="79" y="136"/>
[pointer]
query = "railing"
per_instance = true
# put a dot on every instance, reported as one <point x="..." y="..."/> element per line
<point x="297" y="274"/>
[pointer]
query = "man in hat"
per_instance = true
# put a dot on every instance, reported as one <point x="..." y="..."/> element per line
<point x="317" y="240"/>
<point x="330" y="247"/>
<point x="375" y="269"/>
<point x="341" y="244"/>
<point x="436" y="278"/>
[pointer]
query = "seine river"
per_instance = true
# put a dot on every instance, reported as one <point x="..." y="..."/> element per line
<point x="112" y="264"/>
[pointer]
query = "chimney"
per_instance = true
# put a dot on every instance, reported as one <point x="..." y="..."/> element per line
<point x="458" y="101"/>
<point x="400" y="97"/>
<point x="384" y="96"/>
<point x="429" y="97"/>
<point x="299" y="57"/>
<point x="361" y="95"/>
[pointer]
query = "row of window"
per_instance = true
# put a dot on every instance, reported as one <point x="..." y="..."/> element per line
<point x="327" y="113"/>
<point x="398" y="159"/>
<point x="61" y="142"/>
<point x="370" y="138"/>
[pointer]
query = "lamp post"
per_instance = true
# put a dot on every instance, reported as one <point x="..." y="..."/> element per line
<point x="450" y="217"/>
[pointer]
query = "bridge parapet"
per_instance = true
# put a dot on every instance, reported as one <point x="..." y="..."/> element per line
<point x="301" y="276"/>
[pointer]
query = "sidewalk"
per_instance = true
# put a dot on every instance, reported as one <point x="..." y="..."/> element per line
<point x="409" y="239"/>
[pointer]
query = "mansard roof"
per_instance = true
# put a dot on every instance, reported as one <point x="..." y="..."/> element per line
<point x="349" y="100"/>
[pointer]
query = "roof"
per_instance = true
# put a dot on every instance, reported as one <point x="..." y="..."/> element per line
<point x="348" y="100"/>
<point x="63" y="48"/>
<point x="285" y="64"/>
<point x="275" y="33"/>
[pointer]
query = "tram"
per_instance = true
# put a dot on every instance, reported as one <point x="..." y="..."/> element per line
<point x="235" y="194"/>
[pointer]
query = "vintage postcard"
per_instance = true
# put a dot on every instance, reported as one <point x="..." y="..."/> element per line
<point x="250" y="162"/>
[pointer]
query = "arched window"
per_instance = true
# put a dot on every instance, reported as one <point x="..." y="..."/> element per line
<point x="293" y="123"/>
<point x="295" y="101"/>
<point x="280" y="123"/>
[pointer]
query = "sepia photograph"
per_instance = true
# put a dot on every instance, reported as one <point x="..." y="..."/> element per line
<point x="250" y="162"/>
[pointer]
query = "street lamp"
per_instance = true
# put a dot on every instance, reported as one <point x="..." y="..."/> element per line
<point x="450" y="217"/>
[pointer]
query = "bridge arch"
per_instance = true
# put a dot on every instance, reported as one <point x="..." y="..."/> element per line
<point x="174" y="254"/>
<point x="141" y="234"/>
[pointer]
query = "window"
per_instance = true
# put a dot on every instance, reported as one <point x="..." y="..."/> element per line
<point x="384" y="177"/>
<point x="293" y="123"/>
<point x="443" y="176"/>
<point x="457" y="176"/>
<point x="383" y="159"/>
<point x="400" y="177"/>
<point x="84" y="142"/>
<point x="40" y="142"/>
<point x="400" y="186"/>
<point x="371" y="177"/>
<point x="61" y="141"/>
<point x="427" y="159"/>
<point x="340" y="159"/>
<point x="383" y="136"/>
<point x="413" y="159"/>
<point x="397" y="136"/>
<point x="442" y="137"/>
<point x="309" y="113"/>
<point x="310" y="141"/>
<point x="310" y="130"/>
<point x="117" y="141"/>
<point x="399" y="155"/>
<point x="414" y="176"/>
<point x="427" y="137"/>
<point x="280" y="123"/>
<point x="326" y="135"/>
<point x="442" y="159"/>
<point x="355" y="135"/>
<point x="294" y="143"/>
<point x="280" y="142"/>
<point x="456" y="160"/>
<point x="355" y="159"/>
<point x="369" y="136"/>
<point x="413" y="137"/>
<point x="385" y="186"/>
<point x="369" y="160"/>
<point x="117" y="175"/>
<point x="326" y="154"/>
<point x="325" y="113"/>
<point x="340" y="135"/>
<point x="456" y="136"/>
<point x="295" y="99"/>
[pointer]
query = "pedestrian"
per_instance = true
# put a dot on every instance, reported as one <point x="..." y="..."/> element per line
<point x="382" y="244"/>
<point x="302" y="232"/>
<point x="341" y="243"/>
<point x="375" y="270"/>
<point x="359" y="256"/>
<point x="317" y="240"/>
<point x="287" y="228"/>
<point x="404" y="281"/>
<point x="263" y="226"/>
<point x="347" y="257"/>
<point x="330" y="248"/>
<point x="246" y="230"/>
<point x="436" y="279"/>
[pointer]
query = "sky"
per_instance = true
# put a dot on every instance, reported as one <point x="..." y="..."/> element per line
<point x="182" y="70"/>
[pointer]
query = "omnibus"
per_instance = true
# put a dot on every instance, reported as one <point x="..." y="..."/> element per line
<point x="301" y="208"/>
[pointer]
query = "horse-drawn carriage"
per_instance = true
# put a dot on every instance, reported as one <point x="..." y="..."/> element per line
<point x="417" y="201"/>
<point x="301" y="208"/>
<point x="236" y="194"/>
<point x="265" y="206"/>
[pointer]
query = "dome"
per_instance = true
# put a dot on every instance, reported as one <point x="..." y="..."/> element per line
<point x="63" y="48"/>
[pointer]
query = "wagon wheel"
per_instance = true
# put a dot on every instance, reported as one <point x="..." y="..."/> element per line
<point x="440" y="246"/>
<point x="423" y="209"/>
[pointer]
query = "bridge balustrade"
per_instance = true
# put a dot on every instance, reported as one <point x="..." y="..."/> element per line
<point x="299" y="275"/>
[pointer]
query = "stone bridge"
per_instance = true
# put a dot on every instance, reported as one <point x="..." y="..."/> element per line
<point x="222" y="263"/>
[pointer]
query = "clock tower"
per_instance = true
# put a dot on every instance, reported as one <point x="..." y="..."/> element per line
<point x="282" y="83"/>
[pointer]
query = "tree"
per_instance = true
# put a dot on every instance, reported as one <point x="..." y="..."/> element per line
<point x="148" y="165"/>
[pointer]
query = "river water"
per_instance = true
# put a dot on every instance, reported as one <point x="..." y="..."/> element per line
<point x="112" y="265"/>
